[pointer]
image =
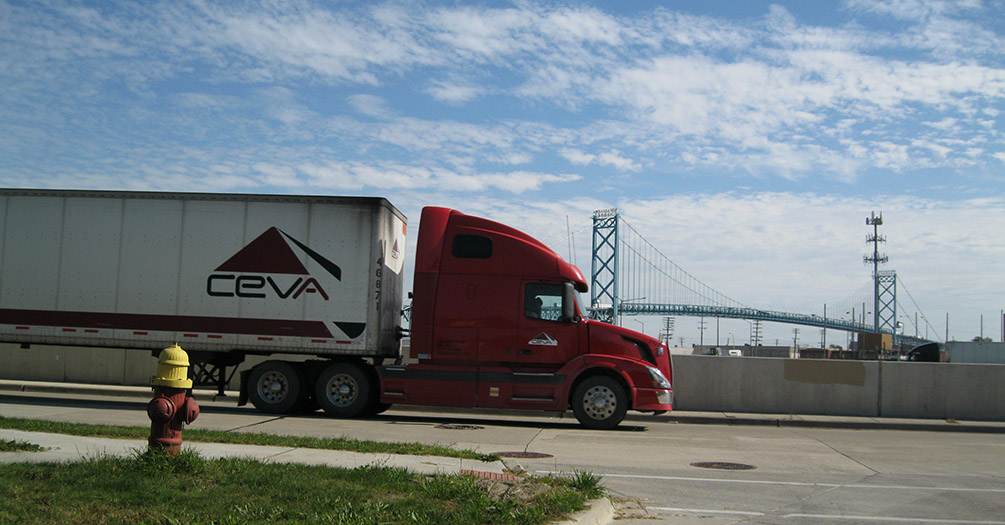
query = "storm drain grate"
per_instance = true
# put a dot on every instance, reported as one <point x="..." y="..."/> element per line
<point x="526" y="455"/>
<point x="723" y="465"/>
<point x="454" y="426"/>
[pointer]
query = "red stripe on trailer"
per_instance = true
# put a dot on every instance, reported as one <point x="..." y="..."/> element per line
<point x="264" y="338"/>
<point x="22" y="328"/>
<point x="90" y="331"/>
<point x="343" y="342"/>
<point x="319" y="340"/>
<point x="165" y="323"/>
<point x="69" y="329"/>
<point x="190" y="335"/>
<point x="140" y="333"/>
<point x="215" y="336"/>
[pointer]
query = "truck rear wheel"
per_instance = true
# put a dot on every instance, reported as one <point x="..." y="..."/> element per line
<point x="343" y="390"/>
<point x="275" y="387"/>
<point x="600" y="402"/>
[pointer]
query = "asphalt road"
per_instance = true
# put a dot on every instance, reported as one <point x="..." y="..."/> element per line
<point x="798" y="474"/>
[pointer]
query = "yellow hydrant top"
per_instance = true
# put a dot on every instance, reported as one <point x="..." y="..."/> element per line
<point x="172" y="369"/>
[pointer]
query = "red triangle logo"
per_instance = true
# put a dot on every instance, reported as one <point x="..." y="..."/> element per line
<point x="269" y="253"/>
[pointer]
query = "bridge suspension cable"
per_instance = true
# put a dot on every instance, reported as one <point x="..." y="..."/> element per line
<point x="629" y="275"/>
<point x="653" y="276"/>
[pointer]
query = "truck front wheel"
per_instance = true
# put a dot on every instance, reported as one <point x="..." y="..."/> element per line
<point x="275" y="387"/>
<point x="600" y="402"/>
<point x="343" y="390"/>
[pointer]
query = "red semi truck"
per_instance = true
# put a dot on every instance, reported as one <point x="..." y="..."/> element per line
<point x="495" y="317"/>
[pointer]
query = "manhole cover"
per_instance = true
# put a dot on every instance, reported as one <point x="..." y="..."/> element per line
<point x="453" y="426"/>
<point x="528" y="455"/>
<point x="722" y="465"/>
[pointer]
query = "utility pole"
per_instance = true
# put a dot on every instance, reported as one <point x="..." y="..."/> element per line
<point x="701" y="329"/>
<point x="667" y="333"/>
<point x="755" y="333"/>
<point x="875" y="259"/>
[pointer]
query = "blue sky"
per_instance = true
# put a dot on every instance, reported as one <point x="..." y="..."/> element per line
<point x="748" y="140"/>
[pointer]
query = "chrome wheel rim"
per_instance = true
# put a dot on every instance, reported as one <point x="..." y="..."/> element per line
<point x="600" y="402"/>
<point x="273" y="387"/>
<point x="341" y="390"/>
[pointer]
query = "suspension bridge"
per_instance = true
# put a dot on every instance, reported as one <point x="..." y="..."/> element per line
<point x="630" y="276"/>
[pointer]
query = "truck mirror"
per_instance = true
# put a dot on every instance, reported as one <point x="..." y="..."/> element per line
<point x="568" y="303"/>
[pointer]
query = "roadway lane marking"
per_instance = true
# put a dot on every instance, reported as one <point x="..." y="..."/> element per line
<point x="888" y="518"/>
<point x="829" y="517"/>
<point x="707" y="511"/>
<point x="789" y="483"/>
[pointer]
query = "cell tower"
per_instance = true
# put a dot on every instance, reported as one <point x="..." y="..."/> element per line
<point x="875" y="259"/>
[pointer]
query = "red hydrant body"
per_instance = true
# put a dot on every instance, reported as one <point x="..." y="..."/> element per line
<point x="172" y="407"/>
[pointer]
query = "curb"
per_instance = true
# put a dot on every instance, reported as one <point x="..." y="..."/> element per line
<point x="862" y="422"/>
<point x="677" y="417"/>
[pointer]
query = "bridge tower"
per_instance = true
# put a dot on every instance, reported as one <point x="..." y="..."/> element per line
<point x="886" y="301"/>
<point x="604" y="268"/>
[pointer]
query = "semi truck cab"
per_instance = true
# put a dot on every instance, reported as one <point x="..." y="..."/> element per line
<point x="496" y="322"/>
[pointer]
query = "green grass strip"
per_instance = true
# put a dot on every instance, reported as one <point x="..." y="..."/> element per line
<point x="244" y="438"/>
<point x="9" y="445"/>
<point x="151" y="488"/>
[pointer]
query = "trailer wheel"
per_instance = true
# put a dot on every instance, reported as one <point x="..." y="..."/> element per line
<point x="343" y="390"/>
<point x="600" y="402"/>
<point x="275" y="387"/>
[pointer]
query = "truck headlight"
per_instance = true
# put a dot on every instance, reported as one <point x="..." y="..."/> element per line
<point x="659" y="380"/>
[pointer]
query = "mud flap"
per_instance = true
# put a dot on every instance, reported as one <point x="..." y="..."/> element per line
<point x="242" y="397"/>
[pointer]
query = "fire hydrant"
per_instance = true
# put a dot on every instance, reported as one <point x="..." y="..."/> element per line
<point x="172" y="406"/>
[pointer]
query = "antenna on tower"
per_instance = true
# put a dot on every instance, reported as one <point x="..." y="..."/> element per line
<point x="875" y="259"/>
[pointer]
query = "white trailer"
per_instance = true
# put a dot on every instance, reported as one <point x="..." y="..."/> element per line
<point x="222" y="275"/>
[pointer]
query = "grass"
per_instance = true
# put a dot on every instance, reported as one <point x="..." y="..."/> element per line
<point x="157" y="489"/>
<point x="9" y="445"/>
<point x="587" y="483"/>
<point x="242" y="438"/>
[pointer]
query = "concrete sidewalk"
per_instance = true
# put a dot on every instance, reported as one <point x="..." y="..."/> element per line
<point x="675" y="417"/>
<point x="64" y="448"/>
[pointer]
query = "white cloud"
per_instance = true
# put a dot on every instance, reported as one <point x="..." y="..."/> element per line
<point x="613" y="159"/>
<point x="346" y="176"/>
<point x="370" y="105"/>
<point x="454" y="94"/>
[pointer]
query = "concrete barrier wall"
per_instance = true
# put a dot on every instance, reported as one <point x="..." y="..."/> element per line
<point x="943" y="390"/>
<point x="701" y="383"/>
<point x="835" y="387"/>
<point x="776" y="386"/>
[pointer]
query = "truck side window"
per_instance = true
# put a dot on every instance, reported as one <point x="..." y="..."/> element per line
<point x="543" y="301"/>
<point x="472" y="247"/>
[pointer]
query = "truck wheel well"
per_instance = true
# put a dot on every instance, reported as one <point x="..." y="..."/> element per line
<point x="593" y="372"/>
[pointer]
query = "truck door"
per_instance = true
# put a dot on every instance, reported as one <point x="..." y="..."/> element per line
<point x="547" y="339"/>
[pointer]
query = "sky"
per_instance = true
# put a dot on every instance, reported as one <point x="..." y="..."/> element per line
<point x="747" y="140"/>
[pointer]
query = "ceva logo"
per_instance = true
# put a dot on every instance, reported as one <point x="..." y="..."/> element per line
<point x="265" y="266"/>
